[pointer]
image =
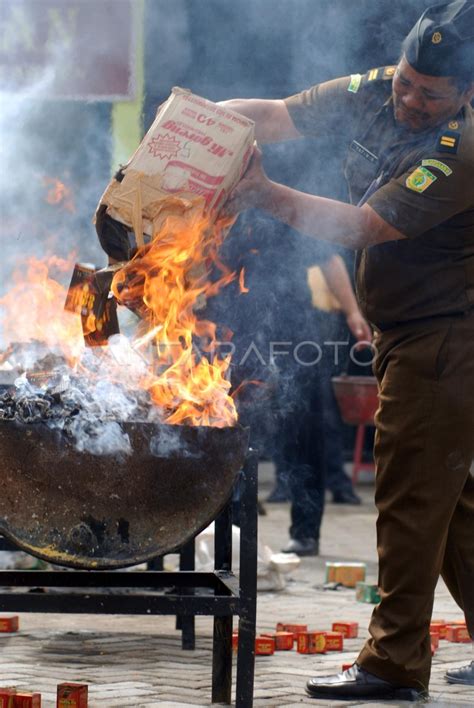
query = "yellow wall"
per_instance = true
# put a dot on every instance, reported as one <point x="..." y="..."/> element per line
<point x="127" y="116"/>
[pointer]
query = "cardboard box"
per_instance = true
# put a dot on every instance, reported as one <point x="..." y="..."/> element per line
<point x="264" y="646"/>
<point x="349" y="630"/>
<point x="9" y="624"/>
<point x="334" y="641"/>
<point x="311" y="642"/>
<point x="27" y="700"/>
<point x="72" y="695"/>
<point x="194" y="151"/>
<point x="348" y="574"/>
<point x="367" y="593"/>
<point x="457" y="633"/>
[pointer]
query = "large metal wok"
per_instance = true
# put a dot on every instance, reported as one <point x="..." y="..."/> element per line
<point x="95" y="512"/>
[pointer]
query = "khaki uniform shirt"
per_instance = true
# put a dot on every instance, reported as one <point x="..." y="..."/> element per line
<point x="422" y="184"/>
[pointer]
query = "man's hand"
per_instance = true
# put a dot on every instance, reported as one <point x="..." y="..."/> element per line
<point x="253" y="189"/>
<point x="359" y="328"/>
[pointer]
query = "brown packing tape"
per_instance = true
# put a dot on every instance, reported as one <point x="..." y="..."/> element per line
<point x="139" y="203"/>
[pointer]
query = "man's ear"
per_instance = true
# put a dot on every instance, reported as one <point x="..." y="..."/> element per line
<point x="469" y="94"/>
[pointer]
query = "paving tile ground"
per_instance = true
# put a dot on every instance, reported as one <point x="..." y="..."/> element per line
<point x="135" y="662"/>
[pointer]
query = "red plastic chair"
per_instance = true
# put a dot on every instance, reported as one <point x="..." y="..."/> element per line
<point x="357" y="397"/>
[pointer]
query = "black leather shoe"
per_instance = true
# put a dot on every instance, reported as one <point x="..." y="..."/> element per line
<point x="356" y="683"/>
<point x="464" y="675"/>
<point x="302" y="547"/>
<point x="346" y="497"/>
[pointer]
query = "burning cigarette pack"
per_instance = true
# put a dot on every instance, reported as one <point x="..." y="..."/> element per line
<point x="9" y="624"/>
<point x="72" y="695"/>
<point x="311" y="642"/>
<point x="349" y="630"/>
<point x="194" y="150"/>
<point x="264" y="646"/>
<point x="367" y="593"/>
<point x="348" y="574"/>
<point x="457" y="633"/>
<point x="27" y="700"/>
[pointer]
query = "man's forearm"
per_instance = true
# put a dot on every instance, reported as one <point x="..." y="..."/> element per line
<point x="326" y="219"/>
<point x="339" y="283"/>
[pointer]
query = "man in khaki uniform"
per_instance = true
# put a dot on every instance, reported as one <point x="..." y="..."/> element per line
<point x="409" y="134"/>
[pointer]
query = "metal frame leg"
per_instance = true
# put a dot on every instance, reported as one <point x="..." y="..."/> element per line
<point x="222" y="636"/>
<point x="248" y="583"/>
<point x="187" y="624"/>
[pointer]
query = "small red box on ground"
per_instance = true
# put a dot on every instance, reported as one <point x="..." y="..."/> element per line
<point x="6" y="698"/>
<point x="9" y="624"/>
<point x="235" y="641"/>
<point x="457" y="633"/>
<point x="334" y="641"/>
<point x="347" y="666"/>
<point x="284" y="641"/>
<point x="440" y="627"/>
<point x="349" y="630"/>
<point x="434" y="637"/>
<point x="311" y="642"/>
<point x="27" y="700"/>
<point x="294" y="628"/>
<point x="72" y="695"/>
<point x="264" y="646"/>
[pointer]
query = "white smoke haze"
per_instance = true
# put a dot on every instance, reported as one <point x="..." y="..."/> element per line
<point x="220" y="49"/>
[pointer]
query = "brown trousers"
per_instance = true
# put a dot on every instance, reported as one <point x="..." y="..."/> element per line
<point x="424" y="447"/>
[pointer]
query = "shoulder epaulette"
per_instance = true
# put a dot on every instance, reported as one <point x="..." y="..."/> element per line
<point x="448" y="140"/>
<point x="382" y="73"/>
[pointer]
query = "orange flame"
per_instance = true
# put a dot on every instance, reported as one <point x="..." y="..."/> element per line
<point x="33" y="309"/>
<point x="242" y="287"/>
<point x="166" y="281"/>
<point x="58" y="194"/>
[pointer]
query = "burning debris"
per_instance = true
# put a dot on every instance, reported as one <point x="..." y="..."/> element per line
<point x="167" y="369"/>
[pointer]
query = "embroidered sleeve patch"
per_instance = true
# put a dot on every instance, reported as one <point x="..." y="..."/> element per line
<point x="441" y="166"/>
<point x="354" y="84"/>
<point x="448" y="141"/>
<point x="420" y="179"/>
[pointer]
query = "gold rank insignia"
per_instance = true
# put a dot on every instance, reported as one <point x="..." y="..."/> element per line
<point x="373" y="73"/>
<point x="448" y="141"/>
<point x="389" y="71"/>
<point x="453" y="125"/>
<point x="437" y="38"/>
<point x="420" y="179"/>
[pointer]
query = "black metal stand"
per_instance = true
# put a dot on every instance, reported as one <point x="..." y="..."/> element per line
<point x="220" y="594"/>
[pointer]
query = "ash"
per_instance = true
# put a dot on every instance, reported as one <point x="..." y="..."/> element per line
<point x="87" y="409"/>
